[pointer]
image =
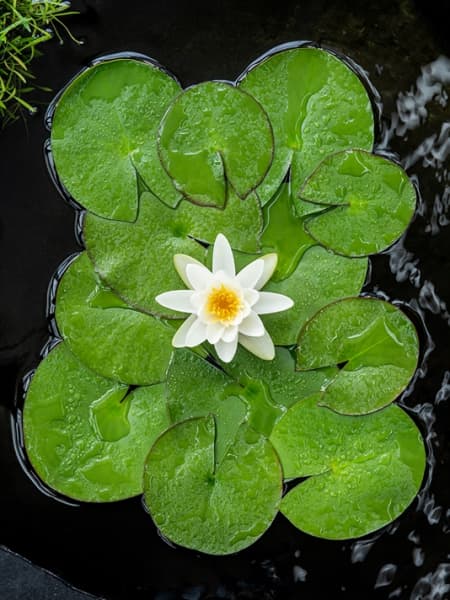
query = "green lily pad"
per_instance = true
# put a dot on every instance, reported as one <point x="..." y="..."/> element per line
<point x="284" y="233"/>
<point x="136" y="259"/>
<point x="286" y="385"/>
<point x="104" y="133"/>
<point x="363" y="471"/>
<point x="213" y="134"/>
<point x="109" y="337"/>
<point x="321" y="277"/>
<point x="373" y="342"/>
<point x="196" y="388"/>
<point x="86" y="436"/>
<point x="216" y="508"/>
<point x="317" y="105"/>
<point x="370" y="202"/>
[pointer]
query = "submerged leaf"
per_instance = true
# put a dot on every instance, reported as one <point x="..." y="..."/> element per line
<point x="373" y="342"/>
<point x="363" y="471"/>
<point x="216" y="508"/>
<point x="104" y="135"/>
<point x="84" y="435"/>
<point x="214" y="134"/>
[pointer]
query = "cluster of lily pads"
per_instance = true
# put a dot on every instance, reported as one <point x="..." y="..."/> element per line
<point x="280" y="161"/>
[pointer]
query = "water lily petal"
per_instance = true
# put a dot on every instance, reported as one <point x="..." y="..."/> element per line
<point x="179" y="339"/>
<point x="226" y="350"/>
<point x="198" y="276"/>
<point x="176" y="300"/>
<point x="230" y="333"/>
<point x="251" y="296"/>
<point x="196" y="334"/>
<point x="270" y="264"/>
<point x="262" y="347"/>
<point x="214" y="332"/>
<point x="250" y="274"/>
<point x="252" y="325"/>
<point x="269" y="302"/>
<point x="181" y="261"/>
<point x="223" y="259"/>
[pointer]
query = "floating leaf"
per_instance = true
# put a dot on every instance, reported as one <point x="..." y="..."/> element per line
<point x="321" y="277"/>
<point x="286" y="385"/>
<point x="136" y="259"/>
<point x="284" y="233"/>
<point x="370" y="199"/>
<point x="316" y="104"/>
<point x="212" y="134"/>
<point x="216" y="508"/>
<point x="363" y="471"/>
<point x="112" y="339"/>
<point x="85" y="436"/>
<point x="104" y="134"/>
<point x="374" y="344"/>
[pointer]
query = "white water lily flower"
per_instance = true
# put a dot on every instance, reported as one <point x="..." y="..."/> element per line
<point x="224" y="307"/>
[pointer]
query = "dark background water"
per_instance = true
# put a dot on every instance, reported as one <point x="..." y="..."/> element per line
<point x="114" y="550"/>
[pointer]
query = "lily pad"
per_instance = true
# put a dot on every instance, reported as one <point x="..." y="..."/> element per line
<point x="317" y="105"/>
<point x="370" y="202"/>
<point x="286" y="385"/>
<point x="136" y="259"/>
<point x="216" y="508"/>
<point x="87" y="437"/>
<point x="214" y="134"/>
<point x="373" y="342"/>
<point x="284" y="233"/>
<point x="321" y="277"/>
<point x="104" y="135"/>
<point x="363" y="471"/>
<point x="109" y="337"/>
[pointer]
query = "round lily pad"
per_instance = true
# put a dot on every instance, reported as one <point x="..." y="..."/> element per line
<point x="374" y="344"/>
<point x="316" y="104"/>
<point x="321" y="277"/>
<point x="214" y="134"/>
<point x="370" y="202"/>
<point x="87" y="437"/>
<point x="103" y="136"/>
<point x="136" y="259"/>
<point x="107" y="335"/>
<point x="214" y="507"/>
<point x="363" y="471"/>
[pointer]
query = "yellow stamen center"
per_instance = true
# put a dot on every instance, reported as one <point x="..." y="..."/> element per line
<point x="223" y="303"/>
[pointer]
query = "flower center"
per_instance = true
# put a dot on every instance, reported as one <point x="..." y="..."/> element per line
<point x="223" y="303"/>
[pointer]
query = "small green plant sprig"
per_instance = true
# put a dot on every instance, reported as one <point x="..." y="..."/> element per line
<point x="24" y="25"/>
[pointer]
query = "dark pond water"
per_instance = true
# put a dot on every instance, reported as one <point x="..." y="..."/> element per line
<point x="114" y="550"/>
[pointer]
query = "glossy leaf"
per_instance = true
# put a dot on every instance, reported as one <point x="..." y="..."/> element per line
<point x="136" y="259"/>
<point x="214" y="134"/>
<point x="373" y="342"/>
<point x="370" y="202"/>
<point x="286" y="385"/>
<point x="321" y="277"/>
<point x="86" y="436"/>
<point x="104" y="134"/>
<point x="316" y="104"/>
<point x="108" y="336"/>
<point x="216" y="508"/>
<point x="363" y="471"/>
<point x="284" y="233"/>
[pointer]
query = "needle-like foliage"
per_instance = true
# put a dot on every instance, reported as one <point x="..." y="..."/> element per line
<point x="24" y="25"/>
